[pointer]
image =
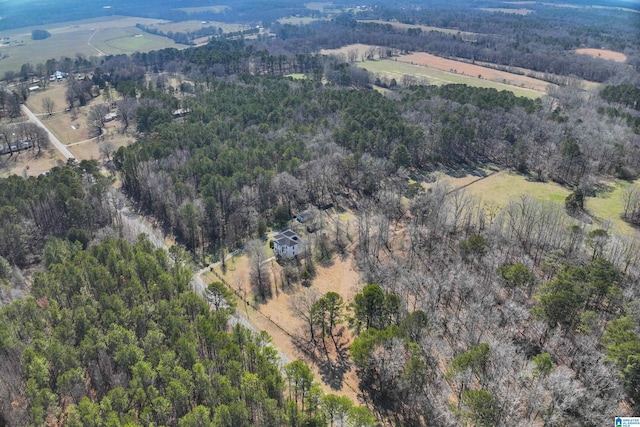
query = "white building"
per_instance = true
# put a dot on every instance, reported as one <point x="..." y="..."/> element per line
<point x="287" y="244"/>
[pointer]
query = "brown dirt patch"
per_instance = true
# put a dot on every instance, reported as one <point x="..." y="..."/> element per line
<point x="29" y="163"/>
<point x="604" y="54"/>
<point x="458" y="67"/>
<point x="275" y="318"/>
<point x="90" y="150"/>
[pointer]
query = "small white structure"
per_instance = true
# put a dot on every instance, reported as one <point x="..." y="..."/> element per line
<point x="287" y="244"/>
<point x="34" y="88"/>
<point x="110" y="117"/>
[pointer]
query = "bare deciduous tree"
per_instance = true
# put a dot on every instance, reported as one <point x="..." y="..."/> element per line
<point x="48" y="105"/>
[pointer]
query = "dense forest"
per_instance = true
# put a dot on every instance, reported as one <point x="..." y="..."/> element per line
<point x="471" y="313"/>
<point x="113" y="336"/>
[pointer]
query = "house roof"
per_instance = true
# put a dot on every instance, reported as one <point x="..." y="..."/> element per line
<point x="287" y="238"/>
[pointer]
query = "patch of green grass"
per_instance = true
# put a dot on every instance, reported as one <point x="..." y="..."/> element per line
<point x="396" y="69"/>
<point x="297" y="76"/>
<point x="504" y="186"/>
<point x="127" y="40"/>
<point x="70" y="38"/>
<point x="608" y="206"/>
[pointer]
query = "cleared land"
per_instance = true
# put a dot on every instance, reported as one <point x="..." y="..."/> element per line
<point x="214" y="9"/>
<point x="186" y="26"/>
<point x="29" y="163"/>
<point x="503" y="186"/>
<point x="465" y="34"/>
<point x="506" y="10"/>
<point x="302" y="20"/>
<point x="459" y="67"/>
<point x="276" y="319"/>
<point x="438" y="71"/>
<point x="604" y="54"/>
<point x="397" y="70"/>
<point x="111" y="35"/>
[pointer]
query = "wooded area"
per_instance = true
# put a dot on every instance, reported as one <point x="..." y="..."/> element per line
<point x="469" y="312"/>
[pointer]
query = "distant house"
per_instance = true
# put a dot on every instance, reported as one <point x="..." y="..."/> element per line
<point x="110" y="117"/>
<point x="34" y="88"/>
<point x="287" y="244"/>
<point x="305" y="216"/>
<point x="180" y="112"/>
<point x="58" y="75"/>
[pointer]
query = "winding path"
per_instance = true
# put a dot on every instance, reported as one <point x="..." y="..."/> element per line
<point x="55" y="141"/>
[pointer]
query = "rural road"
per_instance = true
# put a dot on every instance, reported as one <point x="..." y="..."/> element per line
<point x="137" y="224"/>
<point x="55" y="141"/>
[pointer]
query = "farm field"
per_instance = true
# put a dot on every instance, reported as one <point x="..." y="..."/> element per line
<point x="294" y="20"/>
<point x="214" y="9"/>
<point x="604" y="54"/>
<point x="398" y="69"/>
<point x="186" y="26"/>
<point x="471" y="70"/>
<point x="466" y="34"/>
<point x="110" y="35"/>
<point x="503" y="186"/>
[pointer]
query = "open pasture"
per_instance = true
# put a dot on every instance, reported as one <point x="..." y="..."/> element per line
<point x="397" y="70"/>
<point x="113" y="41"/>
<point x="214" y="9"/>
<point x="55" y="91"/>
<point x="187" y="26"/>
<point x="472" y="70"/>
<point x="89" y="37"/>
<point x="604" y="54"/>
<point x="498" y="189"/>
<point x="425" y="28"/>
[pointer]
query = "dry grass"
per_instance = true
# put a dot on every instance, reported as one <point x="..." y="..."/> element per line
<point x="29" y="163"/>
<point x="55" y="91"/>
<point x="466" y="69"/>
<point x="604" y="54"/>
<point x="276" y="319"/>
<point x="425" y="28"/>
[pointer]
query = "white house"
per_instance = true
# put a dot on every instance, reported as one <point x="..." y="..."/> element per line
<point x="287" y="244"/>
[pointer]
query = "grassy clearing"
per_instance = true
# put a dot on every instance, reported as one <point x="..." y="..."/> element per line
<point x="396" y="70"/>
<point x="424" y="28"/>
<point x="70" y="38"/>
<point x="55" y="91"/>
<point x="500" y="188"/>
<point x="186" y="26"/>
<point x="128" y="40"/>
<point x="214" y="9"/>
<point x="293" y="20"/>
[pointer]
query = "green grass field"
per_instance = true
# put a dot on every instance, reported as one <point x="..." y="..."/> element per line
<point x="500" y="188"/>
<point x="186" y="26"/>
<point x="70" y="38"/>
<point x="128" y="40"/>
<point x="396" y="70"/>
